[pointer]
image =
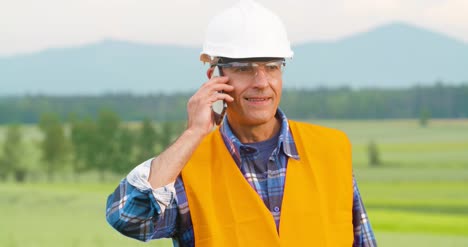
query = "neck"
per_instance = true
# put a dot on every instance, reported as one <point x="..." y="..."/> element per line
<point x="256" y="133"/>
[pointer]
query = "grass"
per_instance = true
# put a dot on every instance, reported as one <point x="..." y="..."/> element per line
<point x="67" y="214"/>
<point x="418" y="197"/>
<point x="58" y="215"/>
<point x="412" y="239"/>
<point x="418" y="207"/>
<point x="403" y="143"/>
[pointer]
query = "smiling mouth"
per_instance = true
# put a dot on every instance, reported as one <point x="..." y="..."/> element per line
<point x="257" y="99"/>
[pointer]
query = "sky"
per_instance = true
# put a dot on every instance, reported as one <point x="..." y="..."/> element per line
<point x="30" y="25"/>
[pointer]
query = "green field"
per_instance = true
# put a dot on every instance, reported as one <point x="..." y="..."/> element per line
<point x="418" y="197"/>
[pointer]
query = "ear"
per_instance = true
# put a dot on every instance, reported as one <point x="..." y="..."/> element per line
<point x="209" y="72"/>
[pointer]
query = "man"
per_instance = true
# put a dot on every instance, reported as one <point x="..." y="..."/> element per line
<point x="257" y="180"/>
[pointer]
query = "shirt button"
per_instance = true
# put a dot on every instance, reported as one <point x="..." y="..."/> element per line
<point x="277" y="209"/>
<point x="249" y="150"/>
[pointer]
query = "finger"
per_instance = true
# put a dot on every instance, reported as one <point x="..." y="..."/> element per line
<point x="213" y="85"/>
<point x="221" y="87"/>
<point x="208" y="91"/>
<point x="221" y="96"/>
<point x="227" y="97"/>
<point x="217" y="80"/>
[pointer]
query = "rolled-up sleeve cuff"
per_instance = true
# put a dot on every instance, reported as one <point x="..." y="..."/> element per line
<point x="138" y="178"/>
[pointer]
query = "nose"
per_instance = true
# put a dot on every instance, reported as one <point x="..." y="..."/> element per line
<point x="261" y="77"/>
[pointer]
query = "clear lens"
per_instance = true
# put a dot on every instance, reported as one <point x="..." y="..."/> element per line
<point x="248" y="70"/>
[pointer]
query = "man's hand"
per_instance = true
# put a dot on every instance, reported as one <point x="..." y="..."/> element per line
<point x="200" y="115"/>
<point x="167" y="166"/>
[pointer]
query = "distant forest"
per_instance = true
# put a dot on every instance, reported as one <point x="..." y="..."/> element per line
<point x="437" y="101"/>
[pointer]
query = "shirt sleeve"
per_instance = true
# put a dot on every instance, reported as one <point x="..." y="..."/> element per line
<point x="363" y="233"/>
<point x="138" y="211"/>
<point x="138" y="178"/>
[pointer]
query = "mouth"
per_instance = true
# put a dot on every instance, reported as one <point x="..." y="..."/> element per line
<point x="257" y="99"/>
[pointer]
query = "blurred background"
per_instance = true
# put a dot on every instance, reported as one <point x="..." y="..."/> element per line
<point x="90" y="89"/>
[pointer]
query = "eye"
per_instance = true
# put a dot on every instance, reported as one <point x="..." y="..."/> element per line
<point x="243" y="69"/>
<point x="272" y="67"/>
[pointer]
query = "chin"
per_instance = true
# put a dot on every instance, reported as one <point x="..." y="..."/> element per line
<point x="259" y="119"/>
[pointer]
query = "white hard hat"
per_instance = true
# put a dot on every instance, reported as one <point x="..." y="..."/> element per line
<point x="246" y="30"/>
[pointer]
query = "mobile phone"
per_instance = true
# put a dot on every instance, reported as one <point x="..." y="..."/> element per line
<point x="218" y="107"/>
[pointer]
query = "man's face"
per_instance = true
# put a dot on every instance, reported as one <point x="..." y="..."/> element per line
<point x="257" y="91"/>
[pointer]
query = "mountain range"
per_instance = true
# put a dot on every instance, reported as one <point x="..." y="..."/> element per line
<point x="389" y="56"/>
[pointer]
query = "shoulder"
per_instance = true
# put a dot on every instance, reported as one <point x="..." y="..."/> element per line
<point x="321" y="139"/>
<point x="318" y="131"/>
<point x="205" y="149"/>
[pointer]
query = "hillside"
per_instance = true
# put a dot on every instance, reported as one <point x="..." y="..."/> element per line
<point x="394" y="55"/>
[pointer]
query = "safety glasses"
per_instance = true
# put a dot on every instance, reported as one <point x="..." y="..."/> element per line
<point x="248" y="70"/>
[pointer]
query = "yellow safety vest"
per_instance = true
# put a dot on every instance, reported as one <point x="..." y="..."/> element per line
<point x="317" y="202"/>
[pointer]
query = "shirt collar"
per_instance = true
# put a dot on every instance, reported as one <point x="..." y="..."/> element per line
<point x="285" y="139"/>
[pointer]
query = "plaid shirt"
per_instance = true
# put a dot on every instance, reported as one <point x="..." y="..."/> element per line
<point x="146" y="214"/>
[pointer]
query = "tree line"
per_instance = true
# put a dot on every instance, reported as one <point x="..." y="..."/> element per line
<point x="436" y="101"/>
<point x="104" y="145"/>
